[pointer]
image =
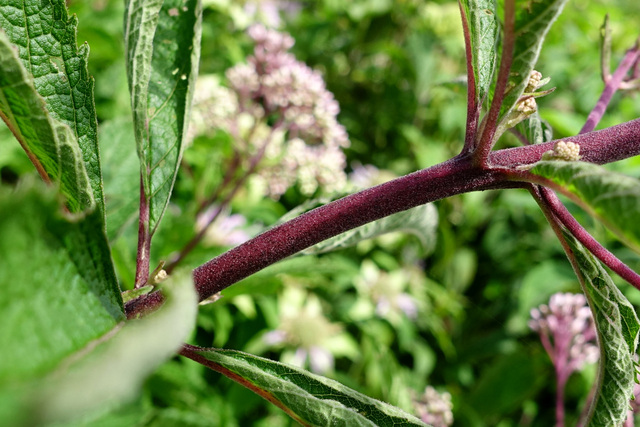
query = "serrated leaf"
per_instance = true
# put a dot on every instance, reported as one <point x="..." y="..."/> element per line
<point x="113" y="372"/>
<point x="310" y="399"/>
<point x="482" y="20"/>
<point x="50" y="144"/>
<point x="45" y="36"/>
<point x="59" y="292"/>
<point x="618" y="326"/>
<point x="421" y="221"/>
<point x="535" y="129"/>
<point x="163" y="47"/>
<point x="533" y="20"/>
<point x="611" y="197"/>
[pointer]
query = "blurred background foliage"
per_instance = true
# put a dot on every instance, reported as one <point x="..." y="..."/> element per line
<point x="397" y="71"/>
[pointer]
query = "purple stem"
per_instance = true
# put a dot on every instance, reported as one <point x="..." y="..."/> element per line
<point x="473" y="108"/>
<point x="611" y="86"/>
<point x="583" y="236"/>
<point x="455" y="176"/>
<point x="485" y="144"/>
<point x="144" y="240"/>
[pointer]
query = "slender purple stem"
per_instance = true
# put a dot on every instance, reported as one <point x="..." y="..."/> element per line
<point x="611" y="86"/>
<point x="144" y="240"/>
<point x="486" y="142"/>
<point x="583" y="236"/>
<point x="473" y="109"/>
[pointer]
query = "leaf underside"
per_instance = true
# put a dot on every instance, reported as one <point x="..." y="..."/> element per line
<point x="163" y="47"/>
<point x="617" y="325"/>
<point x="45" y="37"/>
<point x="533" y="21"/>
<point x="310" y="399"/>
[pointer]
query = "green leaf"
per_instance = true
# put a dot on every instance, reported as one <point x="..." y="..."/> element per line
<point x="50" y="145"/>
<point x="533" y="20"/>
<point x="163" y="47"/>
<point x="535" y="129"/>
<point x="310" y="399"/>
<point x="113" y="372"/>
<point x="60" y="291"/>
<point x="422" y="221"/>
<point x="611" y="197"/>
<point x="618" y="326"/>
<point x="122" y="177"/>
<point x="482" y="20"/>
<point x="45" y="36"/>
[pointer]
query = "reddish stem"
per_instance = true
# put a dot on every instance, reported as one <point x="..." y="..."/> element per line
<point x="486" y="142"/>
<point x="473" y="109"/>
<point x="144" y="240"/>
<point x="583" y="236"/>
<point x="611" y="86"/>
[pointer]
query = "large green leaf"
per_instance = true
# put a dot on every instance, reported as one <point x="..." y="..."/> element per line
<point x="45" y="37"/>
<point x="50" y="144"/>
<point x="58" y="287"/>
<point x="163" y="47"/>
<point x="422" y="221"/>
<point x="113" y="371"/>
<point x="612" y="197"/>
<point x="310" y="399"/>
<point x="482" y="20"/>
<point x="533" y="20"/>
<point x="618" y="326"/>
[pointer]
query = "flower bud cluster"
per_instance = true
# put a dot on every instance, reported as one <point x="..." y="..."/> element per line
<point x="567" y="331"/>
<point x="563" y="150"/>
<point x="282" y="109"/>
<point x="434" y="408"/>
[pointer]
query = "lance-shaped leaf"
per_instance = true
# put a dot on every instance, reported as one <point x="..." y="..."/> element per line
<point x="45" y="36"/>
<point x="58" y="287"/>
<point x="310" y="399"/>
<point x="482" y="22"/>
<point x="163" y="48"/>
<point x="421" y="221"/>
<point x="533" y="20"/>
<point x="611" y="197"/>
<point x="51" y="145"/>
<point x="618" y="326"/>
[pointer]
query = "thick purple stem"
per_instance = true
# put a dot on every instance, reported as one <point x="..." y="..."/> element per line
<point x="611" y="86"/>
<point x="456" y="176"/>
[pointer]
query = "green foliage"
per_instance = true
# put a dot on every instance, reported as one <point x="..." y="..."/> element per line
<point x="618" y="327"/>
<point x="72" y="301"/>
<point x="533" y="20"/>
<point x="482" y="20"/>
<point x="480" y="263"/>
<point x="612" y="197"/>
<point x="46" y="42"/>
<point x="51" y="145"/>
<point x="310" y="399"/>
<point x="163" y="50"/>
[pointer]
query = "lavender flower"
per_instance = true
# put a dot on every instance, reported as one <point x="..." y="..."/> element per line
<point x="387" y="292"/>
<point x="568" y="334"/>
<point x="434" y="408"/>
<point x="281" y="116"/>
<point x="226" y="230"/>
<point x="306" y="334"/>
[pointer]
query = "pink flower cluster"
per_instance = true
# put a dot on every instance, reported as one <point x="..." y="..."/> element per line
<point x="567" y="332"/>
